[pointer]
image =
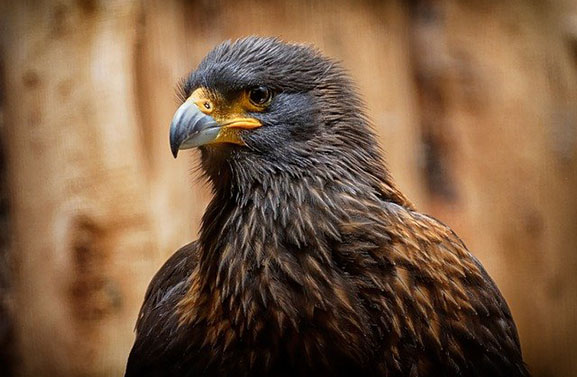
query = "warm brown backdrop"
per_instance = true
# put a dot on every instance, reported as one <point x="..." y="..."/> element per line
<point x="475" y="104"/>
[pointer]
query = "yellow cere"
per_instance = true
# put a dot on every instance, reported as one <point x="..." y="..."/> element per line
<point x="231" y="116"/>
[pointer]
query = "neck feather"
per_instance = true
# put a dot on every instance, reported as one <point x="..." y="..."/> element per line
<point x="269" y="239"/>
<point x="270" y="256"/>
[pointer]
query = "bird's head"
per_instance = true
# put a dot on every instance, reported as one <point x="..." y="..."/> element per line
<point x="259" y="105"/>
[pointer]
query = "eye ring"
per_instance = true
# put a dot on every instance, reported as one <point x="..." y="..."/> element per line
<point x="260" y="96"/>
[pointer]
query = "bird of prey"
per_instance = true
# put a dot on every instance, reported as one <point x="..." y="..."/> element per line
<point x="310" y="261"/>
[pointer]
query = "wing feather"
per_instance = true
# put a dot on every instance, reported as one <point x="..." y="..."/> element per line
<point x="442" y="309"/>
<point x="158" y="342"/>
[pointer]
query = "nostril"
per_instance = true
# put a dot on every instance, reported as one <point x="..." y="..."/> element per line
<point x="205" y="105"/>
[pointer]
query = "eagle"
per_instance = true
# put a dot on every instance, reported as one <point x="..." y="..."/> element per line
<point x="309" y="261"/>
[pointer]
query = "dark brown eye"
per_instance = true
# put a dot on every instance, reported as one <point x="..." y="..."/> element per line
<point x="260" y="96"/>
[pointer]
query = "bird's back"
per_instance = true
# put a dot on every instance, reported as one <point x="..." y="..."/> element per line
<point x="436" y="310"/>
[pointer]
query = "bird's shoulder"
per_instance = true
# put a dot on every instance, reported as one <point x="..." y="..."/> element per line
<point x="171" y="279"/>
<point x="157" y="319"/>
<point x="436" y="303"/>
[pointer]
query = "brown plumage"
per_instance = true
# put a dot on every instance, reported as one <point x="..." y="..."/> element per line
<point x="309" y="261"/>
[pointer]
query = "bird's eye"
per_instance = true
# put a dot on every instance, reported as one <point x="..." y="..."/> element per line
<point x="260" y="95"/>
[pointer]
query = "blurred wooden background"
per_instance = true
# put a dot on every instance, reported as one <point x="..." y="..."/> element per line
<point x="474" y="101"/>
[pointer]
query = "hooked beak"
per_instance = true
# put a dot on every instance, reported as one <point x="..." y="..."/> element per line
<point x="190" y="128"/>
